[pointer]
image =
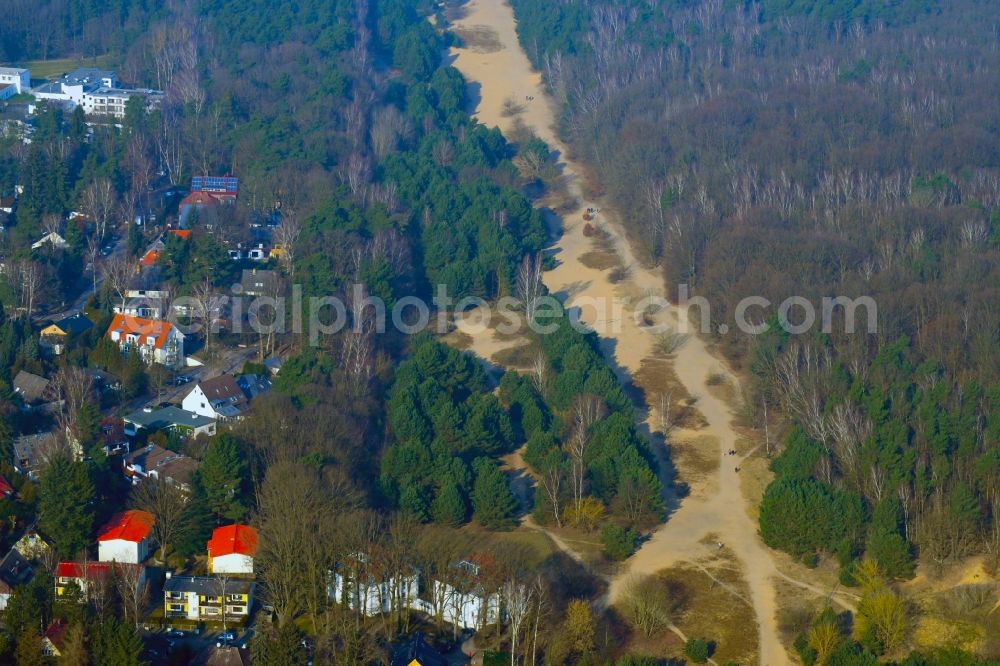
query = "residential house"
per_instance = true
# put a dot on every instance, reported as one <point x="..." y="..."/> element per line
<point x="51" y="238"/>
<point x="231" y="550"/>
<point x="253" y="385"/>
<point x="223" y="188"/>
<point x="159" y="463"/>
<point x="104" y="382"/>
<point x="179" y="420"/>
<point x="31" y="452"/>
<point x="150" y="258"/>
<point x="273" y="365"/>
<point x="17" y="77"/>
<point x="7" y="204"/>
<point x="417" y="652"/>
<point x="204" y="598"/>
<point x="141" y="307"/>
<point x="228" y="656"/>
<point x="157" y="341"/>
<point x="33" y="388"/>
<point x="55" y="336"/>
<point x="255" y="282"/>
<point x="143" y="297"/>
<point x="258" y="253"/>
<point x="218" y="398"/>
<point x="127" y="537"/>
<point x="14" y="570"/>
<point x="88" y="576"/>
<point x="354" y="584"/>
<point x="202" y="205"/>
<point x="53" y="640"/>
<point x="462" y="600"/>
<point x="97" y="91"/>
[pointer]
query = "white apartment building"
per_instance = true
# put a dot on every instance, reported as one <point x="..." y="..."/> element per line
<point x="96" y="90"/>
<point x="15" y="76"/>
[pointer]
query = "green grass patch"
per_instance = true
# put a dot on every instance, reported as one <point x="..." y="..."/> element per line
<point x="50" y="69"/>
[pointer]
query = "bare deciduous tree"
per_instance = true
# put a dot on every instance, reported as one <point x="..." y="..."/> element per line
<point x="207" y="308"/>
<point x="167" y="503"/>
<point x="645" y="604"/>
<point x="98" y="202"/>
<point x="517" y="597"/>
<point x="118" y="272"/>
<point x="587" y="410"/>
<point x="529" y="284"/>
<point x="75" y="386"/>
<point x="286" y="236"/>
<point x="133" y="591"/>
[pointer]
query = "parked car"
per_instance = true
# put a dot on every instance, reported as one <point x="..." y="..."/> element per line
<point x="227" y="636"/>
<point x="180" y="380"/>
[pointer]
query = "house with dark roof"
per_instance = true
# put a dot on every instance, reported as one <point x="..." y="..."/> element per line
<point x="231" y="550"/>
<point x="168" y="418"/>
<point x="33" y="388"/>
<point x="14" y="570"/>
<point x="55" y="336"/>
<point x="254" y="385"/>
<point x="160" y="463"/>
<point x="31" y="451"/>
<point x="207" y="597"/>
<point x="155" y="340"/>
<point x="127" y="537"/>
<point x="228" y="656"/>
<point x="224" y="188"/>
<point x="255" y="282"/>
<point x="218" y="398"/>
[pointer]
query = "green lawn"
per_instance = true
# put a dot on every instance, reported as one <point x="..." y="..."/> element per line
<point x="50" y="69"/>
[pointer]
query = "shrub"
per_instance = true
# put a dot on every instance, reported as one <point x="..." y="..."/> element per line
<point x="698" y="650"/>
<point x="617" y="541"/>
<point x="670" y="342"/>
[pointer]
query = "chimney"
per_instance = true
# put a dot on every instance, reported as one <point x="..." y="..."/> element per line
<point x="168" y="574"/>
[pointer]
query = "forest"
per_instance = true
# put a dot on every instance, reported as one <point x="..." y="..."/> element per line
<point x="818" y="149"/>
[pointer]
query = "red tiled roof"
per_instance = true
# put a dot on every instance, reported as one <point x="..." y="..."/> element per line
<point x="5" y="487"/>
<point x="230" y="539"/>
<point x="199" y="199"/>
<point x="131" y="526"/>
<point x="91" y="570"/>
<point x="150" y="258"/>
<point x="181" y="233"/>
<point x="56" y="632"/>
<point x="144" y="327"/>
<point x="77" y="569"/>
<point x="223" y="387"/>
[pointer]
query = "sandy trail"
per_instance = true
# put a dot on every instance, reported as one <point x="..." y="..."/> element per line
<point x="503" y="72"/>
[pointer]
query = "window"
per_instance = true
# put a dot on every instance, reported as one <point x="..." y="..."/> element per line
<point x="175" y="608"/>
<point x="237" y="610"/>
<point x="211" y="610"/>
